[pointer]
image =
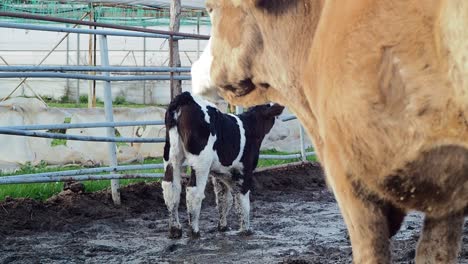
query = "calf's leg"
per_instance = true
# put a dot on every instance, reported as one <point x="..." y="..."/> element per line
<point x="195" y="196"/>
<point x="440" y="240"/>
<point x="242" y="203"/>
<point x="223" y="202"/>
<point x="171" y="184"/>
<point x="171" y="191"/>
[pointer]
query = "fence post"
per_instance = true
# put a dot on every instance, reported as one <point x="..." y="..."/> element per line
<point x="301" y="134"/>
<point x="78" y="64"/>
<point x="109" y="118"/>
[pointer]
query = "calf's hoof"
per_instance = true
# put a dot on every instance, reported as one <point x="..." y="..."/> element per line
<point x="193" y="234"/>
<point x="246" y="233"/>
<point x="175" y="232"/>
<point x="223" y="228"/>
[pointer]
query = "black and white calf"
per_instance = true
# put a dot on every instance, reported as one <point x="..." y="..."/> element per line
<point x="212" y="143"/>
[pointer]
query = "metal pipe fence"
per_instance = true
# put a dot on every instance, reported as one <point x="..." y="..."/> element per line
<point x="58" y="72"/>
<point x="92" y="69"/>
<point x="91" y="77"/>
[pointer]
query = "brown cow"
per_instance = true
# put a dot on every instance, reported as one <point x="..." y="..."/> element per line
<point x="381" y="87"/>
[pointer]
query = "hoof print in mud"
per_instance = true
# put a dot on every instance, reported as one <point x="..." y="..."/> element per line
<point x="175" y="232"/>
<point x="246" y="233"/>
<point x="193" y="234"/>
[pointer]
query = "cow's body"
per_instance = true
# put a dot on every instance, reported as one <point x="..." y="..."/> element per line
<point x="210" y="142"/>
<point x="382" y="89"/>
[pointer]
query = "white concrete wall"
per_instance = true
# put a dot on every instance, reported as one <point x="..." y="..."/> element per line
<point x="27" y="47"/>
<point x="17" y="150"/>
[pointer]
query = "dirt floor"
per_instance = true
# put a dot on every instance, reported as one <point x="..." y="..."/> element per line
<point x="294" y="217"/>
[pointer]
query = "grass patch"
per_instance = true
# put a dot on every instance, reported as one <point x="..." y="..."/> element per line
<point x="42" y="191"/>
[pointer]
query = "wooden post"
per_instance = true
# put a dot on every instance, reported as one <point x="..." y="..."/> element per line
<point x="174" y="57"/>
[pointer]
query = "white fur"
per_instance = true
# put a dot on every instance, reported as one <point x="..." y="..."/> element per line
<point x="243" y="201"/>
<point x="171" y="190"/>
<point x="201" y="79"/>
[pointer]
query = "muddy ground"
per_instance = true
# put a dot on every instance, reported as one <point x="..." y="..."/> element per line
<point x="295" y="220"/>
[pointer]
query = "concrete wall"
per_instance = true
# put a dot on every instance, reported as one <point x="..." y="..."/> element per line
<point x="17" y="150"/>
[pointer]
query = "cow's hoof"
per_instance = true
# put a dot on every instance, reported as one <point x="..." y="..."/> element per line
<point x="193" y="234"/>
<point x="223" y="228"/>
<point x="246" y="233"/>
<point x="175" y="232"/>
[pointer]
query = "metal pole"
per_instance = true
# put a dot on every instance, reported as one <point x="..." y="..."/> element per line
<point x="109" y="118"/>
<point x="144" y="65"/>
<point x="67" y="89"/>
<point x="198" y="32"/>
<point x="301" y="134"/>
<point x="78" y="64"/>
<point x="171" y="64"/>
<point x="90" y="59"/>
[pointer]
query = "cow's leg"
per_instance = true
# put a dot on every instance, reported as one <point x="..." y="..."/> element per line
<point x="223" y="202"/>
<point x="195" y="196"/>
<point x="440" y="240"/>
<point x="370" y="221"/>
<point x="171" y="184"/>
<point x="242" y="203"/>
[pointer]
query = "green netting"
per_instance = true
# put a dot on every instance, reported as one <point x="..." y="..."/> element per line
<point x="115" y="14"/>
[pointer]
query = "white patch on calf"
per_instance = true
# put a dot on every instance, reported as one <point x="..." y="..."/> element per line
<point x="202" y="165"/>
<point x="171" y="190"/>
<point x="242" y="139"/>
<point x="243" y="210"/>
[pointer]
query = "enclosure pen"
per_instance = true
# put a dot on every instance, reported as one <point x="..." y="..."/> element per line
<point x="164" y="73"/>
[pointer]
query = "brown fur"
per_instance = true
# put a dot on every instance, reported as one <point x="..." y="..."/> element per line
<point x="382" y="89"/>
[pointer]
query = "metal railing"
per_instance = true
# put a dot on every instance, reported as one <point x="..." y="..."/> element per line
<point x="58" y="72"/>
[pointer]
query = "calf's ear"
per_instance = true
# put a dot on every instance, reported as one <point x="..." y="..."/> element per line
<point x="274" y="110"/>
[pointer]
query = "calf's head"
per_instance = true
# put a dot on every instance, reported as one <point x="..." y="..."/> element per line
<point x="261" y="118"/>
<point x="256" y="48"/>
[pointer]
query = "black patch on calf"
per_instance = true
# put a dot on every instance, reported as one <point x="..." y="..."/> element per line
<point x="276" y="7"/>
<point x="169" y="173"/>
<point x="191" y="125"/>
<point x="227" y="144"/>
<point x="193" y="178"/>
<point x="191" y="121"/>
<point x="167" y="146"/>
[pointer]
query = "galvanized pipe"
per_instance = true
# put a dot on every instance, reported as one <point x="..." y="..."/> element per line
<point x="81" y="30"/>
<point x="288" y="118"/>
<point x="103" y="25"/>
<point x="33" y="68"/>
<point x="17" y="132"/>
<point x="32" y="179"/>
<point x="91" y="77"/>
<point x="302" y="139"/>
<point x="110" y="131"/>
<point x="289" y="156"/>
<point x="86" y="125"/>
<point x="93" y="170"/>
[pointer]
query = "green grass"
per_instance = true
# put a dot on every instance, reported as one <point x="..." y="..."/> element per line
<point x="42" y="191"/>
